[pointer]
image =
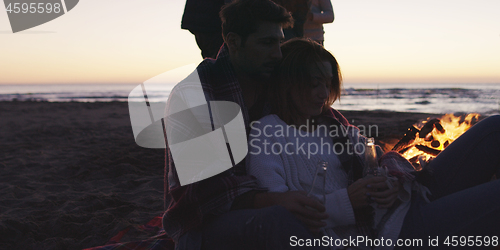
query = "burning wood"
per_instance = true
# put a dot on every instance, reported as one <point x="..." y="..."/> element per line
<point x="427" y="128"/>
<point x="429" y="138"/>
<point x="439" y="127"/>
<point x="407" y="139"/>
<point x="427" y="150"/>
<point x="402" y="151"/>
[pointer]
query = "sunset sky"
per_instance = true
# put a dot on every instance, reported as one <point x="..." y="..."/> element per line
<point x="384" y="41"/>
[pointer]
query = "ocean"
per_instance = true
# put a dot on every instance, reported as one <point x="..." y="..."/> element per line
<point x="426" y="98"/>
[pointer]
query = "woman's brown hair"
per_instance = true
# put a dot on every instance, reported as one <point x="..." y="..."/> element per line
<point x="294" y="71"/>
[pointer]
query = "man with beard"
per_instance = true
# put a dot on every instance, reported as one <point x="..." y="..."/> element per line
<point x="229" y="211"/>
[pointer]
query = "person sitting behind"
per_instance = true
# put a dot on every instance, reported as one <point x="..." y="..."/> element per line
<point x="320" y="12"/>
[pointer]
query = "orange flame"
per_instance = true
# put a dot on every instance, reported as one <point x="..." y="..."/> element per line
<point x="453" y="126"/>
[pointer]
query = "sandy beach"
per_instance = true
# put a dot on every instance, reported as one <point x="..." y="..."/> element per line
<point x="72" y="176"/>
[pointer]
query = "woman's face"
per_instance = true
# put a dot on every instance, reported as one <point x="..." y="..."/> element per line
<point x="310" y="102"/>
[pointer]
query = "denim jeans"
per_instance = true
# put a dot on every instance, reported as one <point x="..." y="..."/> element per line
<point x="464" y="202"/>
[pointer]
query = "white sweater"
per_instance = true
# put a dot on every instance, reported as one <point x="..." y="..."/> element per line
<point x="280" y="164"/>
<point x="294" y="170"/>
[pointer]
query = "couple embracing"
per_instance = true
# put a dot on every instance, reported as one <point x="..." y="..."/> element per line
<point x="262" y="202"/>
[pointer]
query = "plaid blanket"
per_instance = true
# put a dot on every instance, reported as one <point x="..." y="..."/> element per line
<point x="157" y="238"/>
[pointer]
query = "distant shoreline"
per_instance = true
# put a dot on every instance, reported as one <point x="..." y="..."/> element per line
<point x="420" y="98"/>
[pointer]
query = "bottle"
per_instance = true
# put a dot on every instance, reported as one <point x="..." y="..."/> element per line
<point x="318" y="185"/>
<point x="371" y="167"/>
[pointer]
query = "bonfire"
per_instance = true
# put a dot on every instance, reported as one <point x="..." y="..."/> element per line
<point x="425" y="140"/>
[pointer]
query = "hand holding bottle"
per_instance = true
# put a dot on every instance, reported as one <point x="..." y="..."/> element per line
<point x="360" y="192"/>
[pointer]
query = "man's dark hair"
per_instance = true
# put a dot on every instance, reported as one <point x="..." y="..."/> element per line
<point x="243" y="17"/>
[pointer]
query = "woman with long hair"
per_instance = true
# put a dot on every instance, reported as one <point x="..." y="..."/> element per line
<point x="304" y="133"/>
